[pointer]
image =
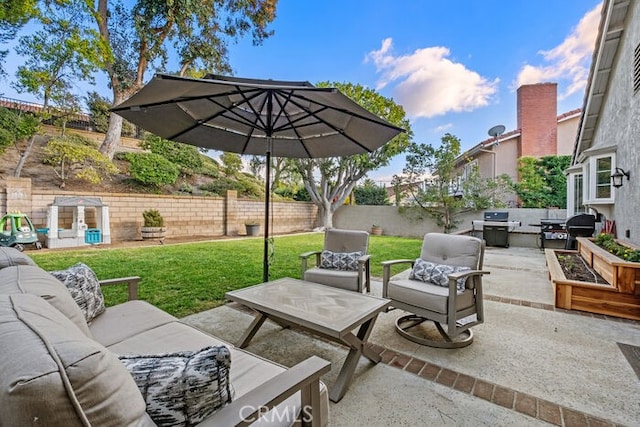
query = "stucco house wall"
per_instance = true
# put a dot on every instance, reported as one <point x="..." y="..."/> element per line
<point x="617" y="128"/>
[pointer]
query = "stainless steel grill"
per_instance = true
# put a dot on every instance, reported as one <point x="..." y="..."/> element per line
<point x="495" y="228"/>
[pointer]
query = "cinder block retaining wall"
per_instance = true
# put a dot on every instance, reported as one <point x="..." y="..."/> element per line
<point x="183" y="215"/>
<point x="225" y="216"/>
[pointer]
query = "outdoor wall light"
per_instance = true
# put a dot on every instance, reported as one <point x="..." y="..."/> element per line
<point x="616" y="177"/>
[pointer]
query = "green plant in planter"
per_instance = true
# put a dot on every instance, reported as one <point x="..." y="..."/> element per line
<point x="608" y="243"/>
<point x="153" y="218"/>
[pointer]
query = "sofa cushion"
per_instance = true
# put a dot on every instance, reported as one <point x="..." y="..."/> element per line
<point x="11" y="256"/>
<point x="126" y="320"/>
<point x="181" y="389"/>
<point x="84" y="287"/>
<point x="52" y="372"/>
<point x="438" y="274"/>
<point x="247" y="373"/>
<point x="28" y="279"/>
<point x="346" y="261"/>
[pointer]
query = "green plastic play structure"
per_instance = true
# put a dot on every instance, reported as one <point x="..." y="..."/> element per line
<point x="17" y="230"/>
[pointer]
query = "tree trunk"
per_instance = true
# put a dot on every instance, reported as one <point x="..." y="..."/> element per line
<point x="112" y="138"/>
<point x="325" y="217"/>
<point x="23" y="157"/>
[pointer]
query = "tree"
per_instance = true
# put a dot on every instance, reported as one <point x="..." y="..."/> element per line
<point x="430" y="178"/>
<point x="329" y="181"/>
<point x="231" y="163"/>
<point x="143" y="33"/>
<point x="283" y="171"/>
<point x="371" y="194"/>
<point x="15" y="127"/>
<point x="99" y="108"/>
<point x="542" y="182"/>
<point x="63" y="52"/>
<point x="13" y="15"/>
<point x="56" y="57"/>
<point x="77" y="157"/>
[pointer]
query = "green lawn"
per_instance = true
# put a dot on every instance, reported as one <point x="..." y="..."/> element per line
<point x="188" y="278"/>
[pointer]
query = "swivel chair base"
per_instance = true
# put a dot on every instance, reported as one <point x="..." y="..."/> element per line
<point x="404" y="323"/>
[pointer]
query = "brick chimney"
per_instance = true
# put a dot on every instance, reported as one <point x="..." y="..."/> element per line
<point x="538" y="119"/>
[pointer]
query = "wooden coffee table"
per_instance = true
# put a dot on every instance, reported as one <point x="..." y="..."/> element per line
<point x="329" y="312"/>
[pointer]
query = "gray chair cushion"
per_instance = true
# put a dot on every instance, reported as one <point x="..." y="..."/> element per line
<point x="337" y="278"/>
<point x="452" y="250"/>
<point x="426" y="295"/>
<point x="27" y="279"/>
<point x="53" y="374"/>
<point x="337" y="240"/>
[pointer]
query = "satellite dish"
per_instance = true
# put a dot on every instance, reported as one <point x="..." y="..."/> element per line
<point x="496" y="131"/>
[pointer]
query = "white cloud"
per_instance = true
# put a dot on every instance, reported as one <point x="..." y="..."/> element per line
<point x="443" y="128"/>
<point x="567" y="63"/>
<point x="429" y="83"/>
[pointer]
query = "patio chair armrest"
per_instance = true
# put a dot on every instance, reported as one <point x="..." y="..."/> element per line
<point x="386" y="271"/>
<point x="308" y="254"/>
<point x="304" y="260"/>
<point x="303" y="377"/>
<point x="364" y="266"/>
<point x="131" y="282"/>
<point x="469" y="273"/>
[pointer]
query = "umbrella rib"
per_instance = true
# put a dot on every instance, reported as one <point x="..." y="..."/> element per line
<point x="320" y="120"/>
<point x="224" y="109"/>
<point x="267" y="128"/>
<point x="295" y="130"/>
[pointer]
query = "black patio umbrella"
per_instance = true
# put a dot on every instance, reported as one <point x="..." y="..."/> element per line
<point x="257" y="117"/>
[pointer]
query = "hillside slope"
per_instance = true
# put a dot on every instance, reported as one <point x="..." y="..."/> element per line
<point x="44" y="177"/>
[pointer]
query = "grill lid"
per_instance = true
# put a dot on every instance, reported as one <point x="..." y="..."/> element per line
<point x="496" y="216"/>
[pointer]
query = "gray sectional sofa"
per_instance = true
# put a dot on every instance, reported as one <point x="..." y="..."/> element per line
<point x="58" y="370"/>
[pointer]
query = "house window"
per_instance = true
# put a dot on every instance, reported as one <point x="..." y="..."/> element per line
<point x="603" y="178"/>
<point x="469" y="168"/>
<point x="575" y="196"/>
<point x="599" y="179"/>
<point x="578" y="194"/>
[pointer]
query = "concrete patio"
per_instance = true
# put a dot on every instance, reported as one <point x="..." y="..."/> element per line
<point x="530" y="364"/>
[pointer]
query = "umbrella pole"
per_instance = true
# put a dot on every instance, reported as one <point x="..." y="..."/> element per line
<point x="265" y="261"/>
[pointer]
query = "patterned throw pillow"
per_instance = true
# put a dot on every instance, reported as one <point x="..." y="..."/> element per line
<point x="182" y="389"/>
<point x="346" y="261"/>
<point x="84" y="287"/>
<point x="436" y="273"/>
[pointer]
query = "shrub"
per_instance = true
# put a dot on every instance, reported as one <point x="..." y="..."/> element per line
<point x="183" y="155"/>
<point x="152" y="169"/>
<point x="243" y="185"/>
<point x="153" y="218"/>
<point x="78" y="157"/>
<point x="371" y="195"/>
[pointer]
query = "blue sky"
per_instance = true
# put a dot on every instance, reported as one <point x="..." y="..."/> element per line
<point x="453" y="65"/>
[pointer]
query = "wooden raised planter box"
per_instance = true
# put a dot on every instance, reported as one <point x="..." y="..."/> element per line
<point x="620" y="297"/>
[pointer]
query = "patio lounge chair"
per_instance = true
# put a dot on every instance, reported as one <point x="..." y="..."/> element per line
<point x="444" y="285"/>
<point x="342" y="263"/>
